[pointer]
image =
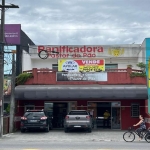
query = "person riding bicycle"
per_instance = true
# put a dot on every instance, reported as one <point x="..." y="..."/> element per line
<point x="142" y="126"/>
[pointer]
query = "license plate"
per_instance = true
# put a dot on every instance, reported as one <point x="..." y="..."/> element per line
<point x="77" y="126"/>
<point x="33" y="120"/>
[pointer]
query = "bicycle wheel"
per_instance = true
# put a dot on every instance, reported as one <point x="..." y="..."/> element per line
<point x="147" y="138"/>
<point x="129" y="136"/>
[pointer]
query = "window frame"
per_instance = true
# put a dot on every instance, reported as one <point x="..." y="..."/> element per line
<point x="111" y="65"/>
<point x="55" y="67"/>
<point x="135" y="106"/>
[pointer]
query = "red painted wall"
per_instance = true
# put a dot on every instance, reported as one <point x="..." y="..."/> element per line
<point x="116" y="76"/>
<point x="120" y="76"/>
<point x="126" y="119"/>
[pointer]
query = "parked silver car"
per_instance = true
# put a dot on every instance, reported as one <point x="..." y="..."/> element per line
<point x="78" y="119"/>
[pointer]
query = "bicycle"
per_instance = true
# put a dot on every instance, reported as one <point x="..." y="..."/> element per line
<point x="129" y="136"/>
<point x="147" y="136"/>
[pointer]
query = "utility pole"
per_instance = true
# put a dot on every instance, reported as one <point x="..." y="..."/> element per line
<point x="2" y="43"/>
<point x="2" y="66"/>
<point x="12" y="97"/>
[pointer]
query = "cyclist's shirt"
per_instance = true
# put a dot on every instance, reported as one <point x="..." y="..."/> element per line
<point x="142" y="125"/>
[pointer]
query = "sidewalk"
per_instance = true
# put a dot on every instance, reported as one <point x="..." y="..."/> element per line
<point x="59" y="135"/>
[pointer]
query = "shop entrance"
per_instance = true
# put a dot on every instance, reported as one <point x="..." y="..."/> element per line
<point x="116" y="115"/>
<point x="104" y="115"/>
<point x="58" y="111"/>
<point x="105" y="121"/>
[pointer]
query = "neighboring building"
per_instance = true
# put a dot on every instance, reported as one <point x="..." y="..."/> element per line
<point x="90" y="77"/>
<point x="14" y="36"/>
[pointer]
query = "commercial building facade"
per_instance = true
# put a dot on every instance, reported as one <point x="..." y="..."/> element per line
<point x="91" y="77"/>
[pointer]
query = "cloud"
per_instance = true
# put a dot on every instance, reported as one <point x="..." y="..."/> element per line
<point x="82" y="21"/>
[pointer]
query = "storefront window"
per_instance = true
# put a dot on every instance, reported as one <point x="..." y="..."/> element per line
<point x="92" y="109"/>
<point x="29" y="107"/>
<point x="72" y="106"/>
<point x="111" y="66"/>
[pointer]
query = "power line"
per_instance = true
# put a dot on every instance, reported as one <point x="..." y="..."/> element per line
<point x="99" y="28"/>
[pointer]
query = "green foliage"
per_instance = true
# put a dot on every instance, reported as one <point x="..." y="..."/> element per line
<point x="23" y="77"/>
<point x="8" y="108"/>
<point x="137" y="74"/>
<point x="142" y="66"/>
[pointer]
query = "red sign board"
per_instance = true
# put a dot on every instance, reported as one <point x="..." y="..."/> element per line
<point x="71" y="51"/>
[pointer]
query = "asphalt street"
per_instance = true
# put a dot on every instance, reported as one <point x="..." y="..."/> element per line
<point x="77" y="140"/>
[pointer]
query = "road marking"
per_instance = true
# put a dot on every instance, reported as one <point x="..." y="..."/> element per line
<point x="115" y="149"/>
<point x="75" y="149"/>
<point x="105" y="149"/>
<point x="31" y="149"/>
<point x="65" y="149"/>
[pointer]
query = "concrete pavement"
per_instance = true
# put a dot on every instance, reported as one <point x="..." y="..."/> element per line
<point x="73" y="136"/>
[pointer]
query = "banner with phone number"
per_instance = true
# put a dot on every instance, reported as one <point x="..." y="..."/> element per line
<point x="93" y="65"/>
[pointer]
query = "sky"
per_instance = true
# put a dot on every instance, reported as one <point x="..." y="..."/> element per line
<point x="82" y="22"/>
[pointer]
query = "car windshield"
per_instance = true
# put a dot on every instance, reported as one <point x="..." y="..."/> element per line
<point x="34" y="114"/>
<point x="78" y="113"/>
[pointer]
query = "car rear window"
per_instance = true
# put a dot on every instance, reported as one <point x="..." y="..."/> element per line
<point x="78" y="113"/>
<point x="33" y="114"/>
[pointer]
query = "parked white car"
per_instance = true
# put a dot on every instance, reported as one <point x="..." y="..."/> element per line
<point x="78" y="119"/>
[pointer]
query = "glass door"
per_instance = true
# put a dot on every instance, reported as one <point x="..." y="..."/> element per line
<point x="116" y="122"/>
<point x="48" y="107"/>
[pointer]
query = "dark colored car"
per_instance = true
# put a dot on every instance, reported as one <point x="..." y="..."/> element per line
<point x="36" y="119"/>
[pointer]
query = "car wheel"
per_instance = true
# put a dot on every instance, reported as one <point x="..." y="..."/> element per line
<point x="65" y="130"/>
<point x="22" y="130"/>
<point x="47" y="129"/>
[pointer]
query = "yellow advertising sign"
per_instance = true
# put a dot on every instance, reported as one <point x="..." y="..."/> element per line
<point x="93" y="65"/>
<point x="149" y="73"/>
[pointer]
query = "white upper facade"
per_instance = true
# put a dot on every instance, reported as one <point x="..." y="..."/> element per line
<point x="119" y="55"/>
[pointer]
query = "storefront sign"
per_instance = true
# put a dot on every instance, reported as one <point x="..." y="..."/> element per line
<point x="147" y="49"/>
<point x="83" y="65"/>
<point x="148" y="72"/>
<point x="12" y="33"/>
<point x="78" y="76"/>
<point x="69" y="51"/>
